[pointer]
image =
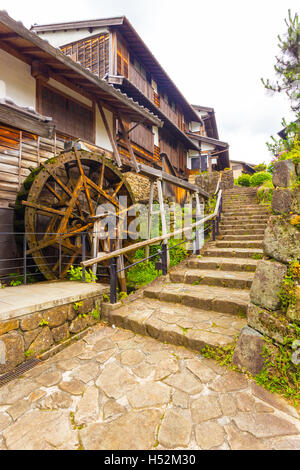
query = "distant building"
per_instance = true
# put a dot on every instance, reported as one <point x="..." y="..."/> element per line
<point x="239" y="168"/>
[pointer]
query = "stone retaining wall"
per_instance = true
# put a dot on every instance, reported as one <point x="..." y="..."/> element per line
<point x="266" y="315"/>
<point x="140" y="186"/>
<point x="31" y="335"/>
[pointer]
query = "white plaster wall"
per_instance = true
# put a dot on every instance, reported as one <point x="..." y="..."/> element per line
<point x="60" y="38"/>
<point x="16" y="81"/>
<point x="195" y="126"/>
<point x="207" y="147"/>
<point x="102" y="139"/>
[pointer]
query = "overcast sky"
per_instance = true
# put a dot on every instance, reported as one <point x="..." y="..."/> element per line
<point x="215" y="51"/>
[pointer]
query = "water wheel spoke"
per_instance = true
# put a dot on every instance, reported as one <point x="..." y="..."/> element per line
<point x="86" y="189"/>
<point x="60" y="183"/>
<point x="102" y="192"/>
<point x="42" y="208"/>
<point x="118" y="187"/>
<point x="71" y="204"/>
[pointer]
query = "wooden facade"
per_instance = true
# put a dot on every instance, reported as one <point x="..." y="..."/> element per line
<point x="113" y="54"/>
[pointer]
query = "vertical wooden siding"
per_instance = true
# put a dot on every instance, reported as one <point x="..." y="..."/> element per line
<point x="92" y="53"/>
<point x="20" y="151"/>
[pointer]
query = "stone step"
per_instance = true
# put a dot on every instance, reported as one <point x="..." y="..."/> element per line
<point x="243" y="232"/>
<point x="176" y="323"/>
<point x="242" y="237"/>
<point x="218" y="299"/>
<point x="242" y="218"/>
<point x="236" y="224"/>
<point x="233" y="253"/>
<point x="235" y="264"/>
<point x="239" y="244"/>
<point x="245" y="213"/>
<point x="234" y="280"/>
<point x="239" y="223"/>
<point x="246" y="207"/>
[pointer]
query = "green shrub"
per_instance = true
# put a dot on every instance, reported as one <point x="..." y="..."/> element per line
<point x="76" y="274"/>
<point x="259" y="178"/>
<point x="244" y="180"/>
<point x="265" y="193"/>
<point x="260" y="167"/>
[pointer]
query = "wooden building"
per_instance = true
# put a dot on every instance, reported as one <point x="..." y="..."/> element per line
<point x="46" y="100"/>
<point x="112" y="49"/>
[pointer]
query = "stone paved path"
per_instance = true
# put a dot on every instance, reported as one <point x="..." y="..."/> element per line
<point x="118" y="390"/>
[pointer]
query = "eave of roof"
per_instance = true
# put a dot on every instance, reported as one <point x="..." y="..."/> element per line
<point x="28" y="47"/>
<point x="137" y="44"/>
<point x="211" y="117"/>
<point x="129" y="87"/>
<point x="209" y="140"/>
<point x="25" y="118"/>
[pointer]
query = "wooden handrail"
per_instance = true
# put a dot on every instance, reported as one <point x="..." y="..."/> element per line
<point x="136" y="246"/>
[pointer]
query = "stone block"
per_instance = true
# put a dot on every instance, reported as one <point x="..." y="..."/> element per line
<point x="11" y="351"/>
<point x="29" y="337"/>
<point x="295" y="207"/>
<point x="56" y="316"/>
<point x="42" y="342"/>
<point x="9" y="325"/>
<point x="272" y="324"/>
<point x="281" y="240"/>
<point x="31" y="322"/>
<point x="248" y="351"/>
<point x="293" y="312"/>
<point x="267" y="283"/>
<point x="79" y="324"/>
<point x="284" y="173"/>
<point x="282" y="201"/>
<point x="61" y="332"/>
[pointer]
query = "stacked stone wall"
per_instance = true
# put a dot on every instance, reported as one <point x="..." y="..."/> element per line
<point x="30" y="335"/>
<point x="267" y="316"/>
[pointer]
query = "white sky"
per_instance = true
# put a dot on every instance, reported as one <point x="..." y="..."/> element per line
<point x="215" y="51"/>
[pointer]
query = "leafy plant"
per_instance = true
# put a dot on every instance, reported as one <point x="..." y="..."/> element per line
<point x="77" y="305"/>
<point x="76" y="274"/>
<point x="122" y="295"/>
<point x="259" y="178"/>
<point x="287" y="293"/>
<point x="28" y="353"/>
<point x="44" y="322"/>
<point x="279" y="374"/>
<point x="288" y="63"/>
<point x="95" y="313"/>
<point x="244" y="180"/>
<point x="265" y="193"/>
<point x="257" y="256"/>
<point x="260" y="167"/>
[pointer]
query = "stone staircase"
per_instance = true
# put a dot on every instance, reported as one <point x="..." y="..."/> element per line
<point x="204" y="301"/>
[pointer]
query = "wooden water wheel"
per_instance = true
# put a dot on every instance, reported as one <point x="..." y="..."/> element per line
<point x="58" y="204"/>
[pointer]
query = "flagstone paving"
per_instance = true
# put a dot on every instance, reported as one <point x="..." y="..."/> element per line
<point x="115" y="389"/>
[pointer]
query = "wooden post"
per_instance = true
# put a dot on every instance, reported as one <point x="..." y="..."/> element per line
<point x="128" y="144"/>
<point x="150" y="209"/>
<point x="163" y="217"/>
<point x="199" y="230"/>
<point x="110" y="136"/>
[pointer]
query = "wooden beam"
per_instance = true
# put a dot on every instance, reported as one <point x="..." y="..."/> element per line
<point x="154" y="173"/>
<point x="23" y="120"/>
<point x="110" y="136"/>
<point x="128" y="145"/>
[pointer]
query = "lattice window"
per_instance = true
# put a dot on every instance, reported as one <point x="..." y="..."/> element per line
<point x="92" y="53"/>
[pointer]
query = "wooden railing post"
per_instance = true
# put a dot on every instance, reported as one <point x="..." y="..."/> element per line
<point x="113" y="280"/>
